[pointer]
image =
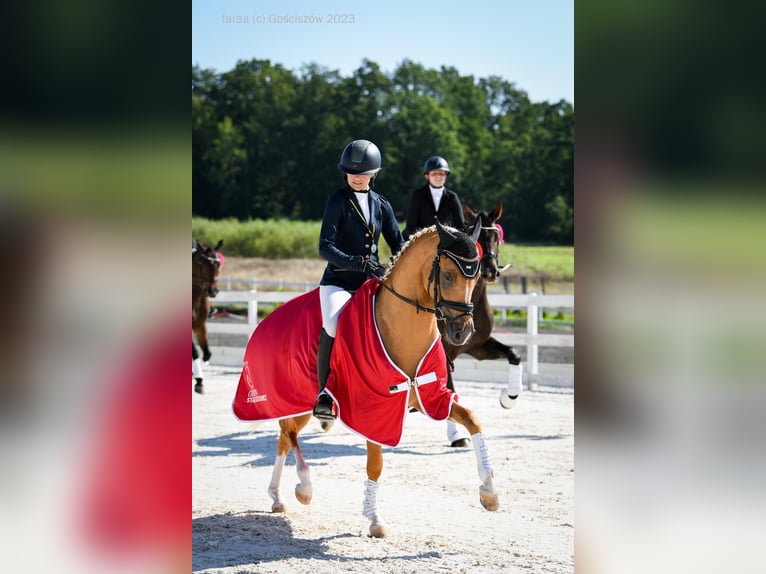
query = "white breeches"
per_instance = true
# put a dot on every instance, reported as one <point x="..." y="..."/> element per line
<point x="332" y="299"/>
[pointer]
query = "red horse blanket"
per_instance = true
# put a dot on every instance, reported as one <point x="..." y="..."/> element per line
<point x="371" y="393"/>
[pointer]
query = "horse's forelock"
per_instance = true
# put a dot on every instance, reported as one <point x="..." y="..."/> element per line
<point x="461" y="245"/>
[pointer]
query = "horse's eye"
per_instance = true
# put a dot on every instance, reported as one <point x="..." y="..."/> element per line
<point x="448" y="277"/>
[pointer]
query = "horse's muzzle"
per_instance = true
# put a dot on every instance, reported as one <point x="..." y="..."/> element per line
<point x="459" y="330"/>
<point x="489" y="276"/>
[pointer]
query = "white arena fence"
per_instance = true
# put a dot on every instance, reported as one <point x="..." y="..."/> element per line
<point x="503" y="302"/>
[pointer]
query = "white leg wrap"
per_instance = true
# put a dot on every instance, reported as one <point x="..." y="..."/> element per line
<point x="197" y="368"/>
<point x="303" y="490"/>
<point x="378" y="527"/>
<point x="482" y="457"/>
<point x="456" y="431"/>
<point x="276" y="478"/>
<point x="514" y="380"/>
<point x="510" y="393"/>
<point x="370" y="506"/>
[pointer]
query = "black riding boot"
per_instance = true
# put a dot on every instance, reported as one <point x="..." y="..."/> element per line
<point x="323" y="403"/>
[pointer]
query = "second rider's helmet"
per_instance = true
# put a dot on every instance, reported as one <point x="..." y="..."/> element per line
<point x="436" y="163"/>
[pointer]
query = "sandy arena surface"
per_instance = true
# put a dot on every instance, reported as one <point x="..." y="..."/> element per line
<point x="428" y="492"/>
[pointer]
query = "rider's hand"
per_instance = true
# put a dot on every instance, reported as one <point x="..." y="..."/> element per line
<point x="372" y="268"/>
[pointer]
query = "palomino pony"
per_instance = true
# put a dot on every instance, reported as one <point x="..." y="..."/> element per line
<point x="387" y="358"/>
<point x="482" y="345"/>
<point x="205" y="266"/>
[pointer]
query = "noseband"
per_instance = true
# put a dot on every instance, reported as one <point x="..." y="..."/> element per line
<point x="469" y="268"/>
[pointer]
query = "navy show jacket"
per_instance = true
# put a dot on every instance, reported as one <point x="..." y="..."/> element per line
<point x="345" y="236"/>
<point x="421" y="211"/>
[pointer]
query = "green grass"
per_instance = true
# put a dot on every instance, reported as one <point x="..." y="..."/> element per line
<point x="287" y="239"/>
<point x="551" y="260"/>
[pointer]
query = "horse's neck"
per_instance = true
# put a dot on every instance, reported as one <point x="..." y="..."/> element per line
<point x="405" y="335"/>
<point x="406" y="332"/>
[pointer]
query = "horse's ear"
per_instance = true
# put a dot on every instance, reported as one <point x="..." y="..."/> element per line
<point x="476" y="231"/>
<point x="444" y="234"/>
<point x="497" y="213"/>
<point x="218" y="245"/>
<point x="470" y="214"/>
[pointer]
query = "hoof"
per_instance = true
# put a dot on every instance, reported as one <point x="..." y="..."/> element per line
<point x="507" y="401"/>
<point x="489" y="501"/>
<point x="278" y="507"/>
<point x="327" y="425"/>
<point x="461" y="443"/>
<point x="198" y="386"/>
<point x="303" y="494"/>
<point x="378" y="530"/>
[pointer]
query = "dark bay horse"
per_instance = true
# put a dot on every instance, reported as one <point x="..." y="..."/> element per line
<point x="482" y="345"/>
<point x="205" y="267"/>
<point x="387" y="359"/>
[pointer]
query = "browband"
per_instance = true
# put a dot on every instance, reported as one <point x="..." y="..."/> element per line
<point x="468" y="267"/>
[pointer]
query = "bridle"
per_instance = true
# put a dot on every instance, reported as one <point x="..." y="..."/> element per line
<point x="469" y="268"/>
<point x="488" y="254"/>
<point x="200" y="279"/>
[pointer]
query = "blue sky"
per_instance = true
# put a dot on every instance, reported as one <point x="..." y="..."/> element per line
<point x="527" y="42"/>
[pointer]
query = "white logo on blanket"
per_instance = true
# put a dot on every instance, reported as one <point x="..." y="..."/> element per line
<point x="254" y="397"/>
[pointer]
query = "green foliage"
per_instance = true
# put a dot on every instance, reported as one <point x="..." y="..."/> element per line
<point x="266" y="141"/>
<point x="270" y="238"/>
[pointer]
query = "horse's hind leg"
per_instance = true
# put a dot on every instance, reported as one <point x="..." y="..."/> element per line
<point x="303" y="490"/>
<point x="288" y="439"/>
<point x="487" y="494"/>
<point x="370" y="506"/>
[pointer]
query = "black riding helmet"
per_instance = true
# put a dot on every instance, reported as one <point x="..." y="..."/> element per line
<point x="360" y="157"/>
<point x="436" y="163"/>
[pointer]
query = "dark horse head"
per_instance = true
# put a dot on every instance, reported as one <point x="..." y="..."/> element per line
<point x="489" y="239"/>
<point x="205" y="266"/>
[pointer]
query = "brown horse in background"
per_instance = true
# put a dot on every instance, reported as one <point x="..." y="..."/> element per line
<point x="482" y="345"/>
<point x="205" y="267"/>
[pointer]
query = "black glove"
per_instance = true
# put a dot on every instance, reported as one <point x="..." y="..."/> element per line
<point x="372" y="268"/>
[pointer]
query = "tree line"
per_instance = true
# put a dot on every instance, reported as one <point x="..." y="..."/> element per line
<point x="266" y="141"/>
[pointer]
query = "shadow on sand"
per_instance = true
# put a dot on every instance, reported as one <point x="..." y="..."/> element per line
<point x="252" y="538"/>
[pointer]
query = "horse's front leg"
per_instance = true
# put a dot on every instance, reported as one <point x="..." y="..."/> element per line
<point x="197" y="370"/>
<point x="370" y="507"/>
<point x="200" y="332"/>
<point x="200" y="329"/>
<point x="487" y="494"/>
<point x="494" y="349"/>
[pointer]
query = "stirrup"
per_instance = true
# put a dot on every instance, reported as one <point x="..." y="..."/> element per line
<point x="323" y="407"/>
